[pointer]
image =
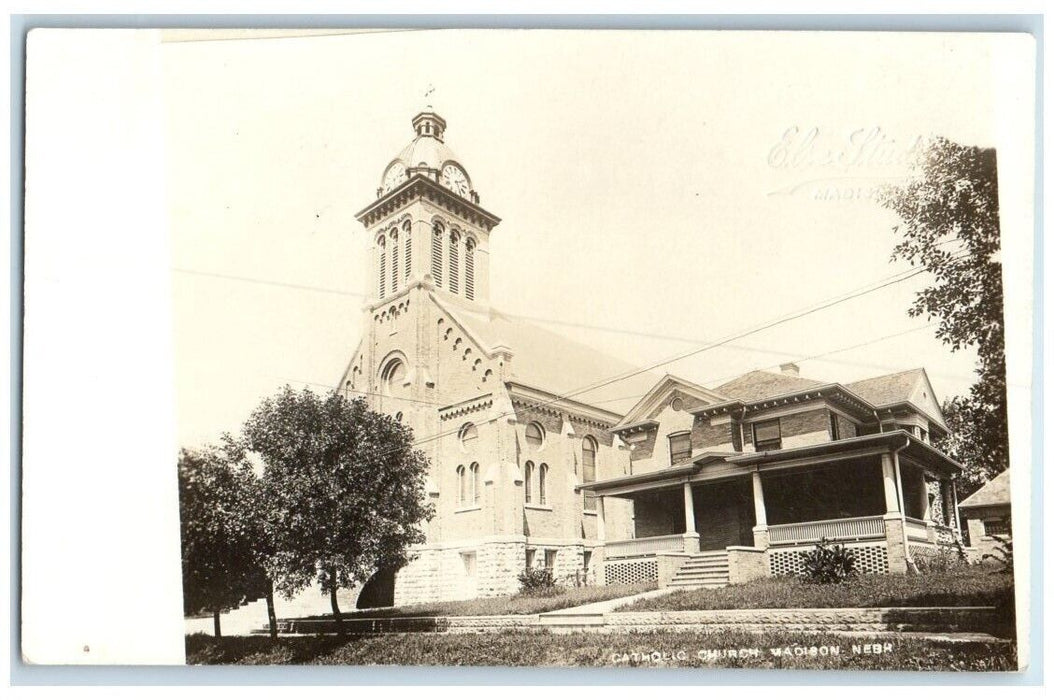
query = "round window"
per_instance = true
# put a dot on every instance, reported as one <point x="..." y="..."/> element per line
<point x="677" y="404"/>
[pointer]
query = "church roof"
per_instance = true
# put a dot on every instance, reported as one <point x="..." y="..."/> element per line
<point x="995" y="493"/>
<point x="554" y="363"/>
<point x="761" y="384"/>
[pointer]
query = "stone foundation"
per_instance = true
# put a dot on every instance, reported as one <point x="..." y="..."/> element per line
<point x="746" y="564"/>
<point x="445" y="572"/>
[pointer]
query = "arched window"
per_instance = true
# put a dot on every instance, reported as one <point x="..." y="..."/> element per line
<point x="462" y="485"/>
<point x="380" y="276"/>
<point x="437" y="253"/>
<point x="589" y="470"/>
<point x="543" y="473"/>
<point x="470" y="269"/>
<point x="467" y="436"/>
<point x="454" y="262"/>
<point x="392" y="376"/>
<point x="407" y="248"/>
<point x="528" y="477"/>
<point x="395" y="260"/>
<point x="535" y="435"/>
<point x="475" y="482"/>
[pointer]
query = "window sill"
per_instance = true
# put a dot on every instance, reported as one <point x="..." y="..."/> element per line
<point x="468" y="509"/>
<point x="537" y="506"/>
<point x="589" y="512"/>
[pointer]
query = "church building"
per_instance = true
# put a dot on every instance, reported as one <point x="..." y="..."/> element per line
<point x="538" y="459"/>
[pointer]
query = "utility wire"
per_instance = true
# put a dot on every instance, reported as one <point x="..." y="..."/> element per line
<point x="860" y="291"/>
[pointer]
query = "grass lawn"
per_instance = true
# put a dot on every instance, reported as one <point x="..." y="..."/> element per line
<point x="971" y="585"/>
<point x="520" y="604"/>
<point x="660" y="649"/>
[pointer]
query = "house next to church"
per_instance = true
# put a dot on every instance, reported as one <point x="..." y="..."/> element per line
<point x="646" y="478"/>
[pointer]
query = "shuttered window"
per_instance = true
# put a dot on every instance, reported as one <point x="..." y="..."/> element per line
<point x="454" y="262"/>
<point x="437" y="254"/>
<point x="470" y="269"/>
<point x="406" y="253"/>
<point x="381" y="275"/>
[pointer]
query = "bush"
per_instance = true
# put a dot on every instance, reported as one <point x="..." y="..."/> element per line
<point x="538" y="581"/>
<point x="1004" y="553"/>
<point x="828" y="563"/>
<point x="946" y="559"/>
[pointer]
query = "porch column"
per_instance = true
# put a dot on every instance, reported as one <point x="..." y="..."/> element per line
<point x="896" y="544"/>
<point x="601" y="528"/>
<point x="691" y="537"/>
<point x="761" y="526"/>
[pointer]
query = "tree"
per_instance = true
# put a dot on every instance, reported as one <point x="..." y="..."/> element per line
<point x="950" y="214"/>
<point x="219" y="531"/>
<point x="344" y="486"/>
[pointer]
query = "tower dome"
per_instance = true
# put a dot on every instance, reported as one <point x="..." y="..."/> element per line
<point x="427" y="154"/>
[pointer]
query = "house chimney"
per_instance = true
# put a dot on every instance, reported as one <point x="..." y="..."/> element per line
<point x="789" y="368"/>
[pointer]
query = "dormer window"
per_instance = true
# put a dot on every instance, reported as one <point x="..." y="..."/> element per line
<point x="767" y="435"/>
<point x="680" y="448"/>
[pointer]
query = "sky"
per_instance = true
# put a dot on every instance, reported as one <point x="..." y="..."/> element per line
<point x="658" y="192"/>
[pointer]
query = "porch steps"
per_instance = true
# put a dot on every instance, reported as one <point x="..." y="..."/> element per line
<point x="703" y="570"/>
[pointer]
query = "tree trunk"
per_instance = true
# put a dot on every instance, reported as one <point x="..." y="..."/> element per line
<point x="216" y="623"/>
<point x="333" y="602"/>
<point x="272" y="622"/>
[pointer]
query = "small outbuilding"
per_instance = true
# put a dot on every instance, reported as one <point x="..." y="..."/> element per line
<point x="987" y="514"/>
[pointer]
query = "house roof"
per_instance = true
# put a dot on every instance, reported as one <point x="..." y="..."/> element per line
<point x="761" y="384"/>
<point x="995" y="493"/>
<point x="554" y="363"/>
<point x="889" y="388"/>
<point x="649" y="402"/>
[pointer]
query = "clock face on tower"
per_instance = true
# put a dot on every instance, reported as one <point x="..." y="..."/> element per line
<point x="394" y="177"/>
<point x="455" y="180"/>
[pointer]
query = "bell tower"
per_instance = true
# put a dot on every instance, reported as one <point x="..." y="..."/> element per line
<point x="429" y="241"/>
<point x="426" y="225"/>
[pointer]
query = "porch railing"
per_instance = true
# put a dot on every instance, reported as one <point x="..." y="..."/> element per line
<point x="916" y="529"/>
<point x="842" y="529"/>
<point x="643" y="545"/>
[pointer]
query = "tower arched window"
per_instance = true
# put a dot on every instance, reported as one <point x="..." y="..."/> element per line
<point x="455" y="241"/>
<point x="392" y="376"/>
<point x="395" y="260"/>
<point x="381" y="268"/>
<point x="543" y="474"/>
<point x="470" y="269"/>
<point x="528" y="477"/>
<point x="437" y="253"/>
<point x="474" y="474"/>
<point x="406" y="248"/>
<point x="589" y="470"/>
<point x="462" y="485"/>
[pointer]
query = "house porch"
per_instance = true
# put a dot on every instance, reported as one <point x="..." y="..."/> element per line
<point x="888" y="504"/>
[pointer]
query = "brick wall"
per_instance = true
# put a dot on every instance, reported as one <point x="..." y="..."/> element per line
<point x="711" y="437"/>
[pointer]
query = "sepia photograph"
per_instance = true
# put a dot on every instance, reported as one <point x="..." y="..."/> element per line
<point x="620" y="349"/>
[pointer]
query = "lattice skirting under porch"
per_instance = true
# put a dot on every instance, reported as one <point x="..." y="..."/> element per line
<point x="638" y="570"/>
<point x="870" y="559"/>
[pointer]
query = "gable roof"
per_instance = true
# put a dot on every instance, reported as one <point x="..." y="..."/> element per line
<point x="889" y="388"/>
<point x="760" y="384"/>
<point x="995" y="493"/>
<point x="647" y="403"/>
<point x="545" y="360"/>
<point x="898" y="388"/>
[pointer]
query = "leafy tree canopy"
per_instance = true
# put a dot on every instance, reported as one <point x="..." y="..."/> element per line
<point x="343" y="487"/>
<point x="949" y="210"/>
<point x="219" y="537"/>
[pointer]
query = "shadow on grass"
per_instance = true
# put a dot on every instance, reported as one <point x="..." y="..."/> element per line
<point x="259" y="650"/>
